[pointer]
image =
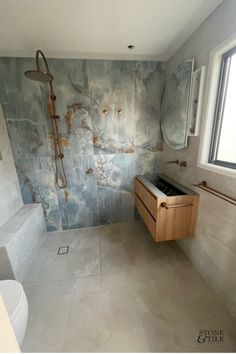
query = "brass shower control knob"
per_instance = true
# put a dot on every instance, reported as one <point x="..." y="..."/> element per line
<point x="60" y="156"/>
<point x="89" y="171"/>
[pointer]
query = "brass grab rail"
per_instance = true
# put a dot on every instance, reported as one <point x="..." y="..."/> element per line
<point x="203" y="185"/>
<point x="165" y="205"/>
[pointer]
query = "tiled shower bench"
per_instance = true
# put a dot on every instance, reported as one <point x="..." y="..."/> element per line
<point x="20" y="239"/>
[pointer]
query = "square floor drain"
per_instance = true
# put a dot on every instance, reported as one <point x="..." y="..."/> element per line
<point x="63" y="250"/>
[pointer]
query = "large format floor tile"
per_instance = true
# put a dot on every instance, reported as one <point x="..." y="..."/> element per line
<point x="83" y="258"/>
<point x="118" y="291"/>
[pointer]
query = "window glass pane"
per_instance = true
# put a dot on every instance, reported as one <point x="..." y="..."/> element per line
<point x="227" y="141"/>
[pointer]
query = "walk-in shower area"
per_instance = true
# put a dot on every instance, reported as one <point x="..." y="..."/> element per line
<point x="117" y="176"/>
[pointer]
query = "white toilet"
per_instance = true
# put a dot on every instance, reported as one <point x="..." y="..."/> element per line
<point x="17" y="306"/>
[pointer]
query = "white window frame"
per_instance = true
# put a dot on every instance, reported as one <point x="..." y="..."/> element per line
<point x="209" y="108"/>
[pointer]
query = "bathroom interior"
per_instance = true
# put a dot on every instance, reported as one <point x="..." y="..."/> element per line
<point x="117" y="176"/>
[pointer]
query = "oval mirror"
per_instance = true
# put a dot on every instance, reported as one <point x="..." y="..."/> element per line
<point x="175" y="106"/>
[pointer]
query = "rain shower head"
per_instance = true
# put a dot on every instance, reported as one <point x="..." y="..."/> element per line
<point x="38" y="74"/>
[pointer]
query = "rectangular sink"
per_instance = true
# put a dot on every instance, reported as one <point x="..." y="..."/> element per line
<point x="167" y="188"/>
<point x="164" y="186"/>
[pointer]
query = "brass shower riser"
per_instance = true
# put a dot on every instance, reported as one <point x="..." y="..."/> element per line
<point x="46" y="77"/>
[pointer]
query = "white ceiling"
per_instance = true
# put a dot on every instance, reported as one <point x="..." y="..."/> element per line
<point x="99" y="28"/>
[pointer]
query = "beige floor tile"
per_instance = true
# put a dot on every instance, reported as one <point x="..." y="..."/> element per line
<point x="128" y="341"/>
<point x="119" y="291"/>
<point x="89" y="283"/>
<point x="47" y="324"/>
<point x="87" y="319"/>
<point x="83" y="258"/>
<point x="123" y="313"/>
<point x="76" y="344"/>
<point x="50" y="290"/>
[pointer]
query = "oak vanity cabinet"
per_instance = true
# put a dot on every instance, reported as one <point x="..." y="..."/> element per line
<point x="170" y="213"/>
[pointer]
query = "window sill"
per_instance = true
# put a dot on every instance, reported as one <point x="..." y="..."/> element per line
<point x="227" y="172"/>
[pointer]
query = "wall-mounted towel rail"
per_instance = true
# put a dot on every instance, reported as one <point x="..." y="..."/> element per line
<point x="171" y="206"/>
<point x="203" y="185"/>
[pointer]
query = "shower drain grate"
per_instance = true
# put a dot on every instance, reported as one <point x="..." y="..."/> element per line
<point x="63" y="250"/>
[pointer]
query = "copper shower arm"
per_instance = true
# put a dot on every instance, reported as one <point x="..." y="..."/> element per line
<point x="39" y="52"/>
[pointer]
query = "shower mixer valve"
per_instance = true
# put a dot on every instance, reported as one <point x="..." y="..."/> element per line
<point x="60" y="156"/>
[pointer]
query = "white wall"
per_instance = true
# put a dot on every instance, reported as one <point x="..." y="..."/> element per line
<point x="213" y="250"/>
<point x="10" y="196"/>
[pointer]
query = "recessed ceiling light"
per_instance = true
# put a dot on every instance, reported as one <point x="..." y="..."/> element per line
<point x="130" y="46"/>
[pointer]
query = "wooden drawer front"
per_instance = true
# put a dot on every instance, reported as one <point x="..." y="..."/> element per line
<point x="147" y="198"/>
<point x="147" y="218"/>
<point x="176" y="223"/>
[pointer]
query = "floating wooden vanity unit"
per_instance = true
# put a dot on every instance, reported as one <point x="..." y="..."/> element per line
<point x="168" y="209"/>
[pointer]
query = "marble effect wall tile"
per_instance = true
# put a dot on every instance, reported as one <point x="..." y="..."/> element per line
<point x="147" y="163"/>
<point x="20" y="97"/>
<point x="115" y="171"/>
<point x="115" y="205"/>
<point x="78" y="203"/>
<point x="30" y="139"/>
<point x="109" y="121"/>
<point x="10" y="196"/>
<point x="28" y="228"/>
<point x="78" y="139"/>
<point x="115" y="184"/>
<point x="73" y="105"/>
<point x="37" y="183"/>
<point x="111" y="91"/>
<point x="149" y="86"/>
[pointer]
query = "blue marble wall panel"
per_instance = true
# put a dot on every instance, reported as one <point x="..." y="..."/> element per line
<point x="79" y="207"/>
<point x="78" y="138"/>
<point x="115" y="170"/>
<point x="109" y="121"/>
<point x="149" y="86"/>
<point x="115" y="185"/>
<point x="30" y="139"/>
<point x="115" y="205"/>
<point x="147" y="163"/>
<point x="20" y="98"/>
<point x="37" y="183"/>
<point x="73" y="105"/>
<point x="112" y="106"/>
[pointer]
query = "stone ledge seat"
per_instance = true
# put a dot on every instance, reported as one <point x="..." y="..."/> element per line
<point x="20" y="239"/>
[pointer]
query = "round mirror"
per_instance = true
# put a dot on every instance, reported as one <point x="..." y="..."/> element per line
<point x="175" y="106"/>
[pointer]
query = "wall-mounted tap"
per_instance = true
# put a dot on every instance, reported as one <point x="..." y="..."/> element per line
<point x="183" y="163"/>
<point x="177" y="162"/>
<point x="164" y="163"/>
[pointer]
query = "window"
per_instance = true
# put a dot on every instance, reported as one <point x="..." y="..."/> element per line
<point x="223" y="141"/>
